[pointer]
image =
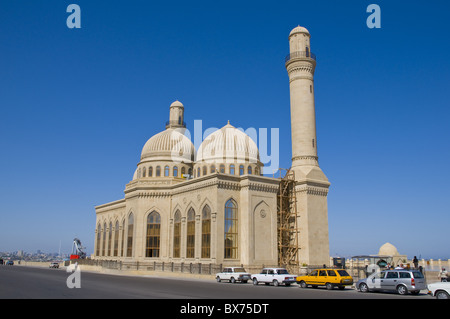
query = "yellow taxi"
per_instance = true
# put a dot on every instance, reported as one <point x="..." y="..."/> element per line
<point x="327" y="277"/>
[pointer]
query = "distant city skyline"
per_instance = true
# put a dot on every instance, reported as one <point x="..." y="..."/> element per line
<point x="78" y="105"/>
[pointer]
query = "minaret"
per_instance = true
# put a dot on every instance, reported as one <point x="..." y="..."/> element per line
<point x="176" y="116"/>
<point x="311" y="183"/>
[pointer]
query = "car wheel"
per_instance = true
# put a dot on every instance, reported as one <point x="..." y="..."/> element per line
<point x="232" y="280"/>
<point x="255" y="281"/>
<point x="329" y="286"/>
<point x="363" y="287"/>
<point x="218" y="279"/>
<point x="276" y="283"/>
<point x="303" y="284"/>
<point x="402" y="290"/>
<point x="441" y="294"/>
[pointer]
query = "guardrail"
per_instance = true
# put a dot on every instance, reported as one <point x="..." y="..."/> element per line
<point x="300" y="54"/>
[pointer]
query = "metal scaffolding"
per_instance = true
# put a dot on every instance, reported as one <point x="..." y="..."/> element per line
<point x="288" y="232"/>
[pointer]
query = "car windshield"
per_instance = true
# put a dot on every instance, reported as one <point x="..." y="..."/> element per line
<point x="283" y="272"/>
<point x="239" y="270"/>
<point x="343" y="273"/>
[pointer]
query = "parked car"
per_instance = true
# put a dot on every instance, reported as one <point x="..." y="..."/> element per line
<point x="10" y="262"/>
<point x="275" y="276"/>
<point x="233" y="274"/>
<point x="400" y="280"/>
<point x="54" y="265"/>
<point x="329" y="278"/>
<point x="440" y="290"/>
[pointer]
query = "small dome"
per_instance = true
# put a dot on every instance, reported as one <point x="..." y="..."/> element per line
<point x="170" y="144"/>
<point x="177" y="103"/>
<point x="298" y="29"/>
<point x="228" y="143"/>
<point x="388" y="250"/>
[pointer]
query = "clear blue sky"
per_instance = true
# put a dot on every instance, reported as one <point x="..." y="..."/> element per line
<point x="77" y="106"/>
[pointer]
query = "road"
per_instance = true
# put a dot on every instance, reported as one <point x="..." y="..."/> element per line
<point x="21" y="282"/>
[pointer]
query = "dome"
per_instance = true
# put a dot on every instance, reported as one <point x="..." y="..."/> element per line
<point x="169" y="145"/>
<point x="177" y="103"/>
<point x="228" y="144"/>
<point x="298" y="29"/>
<point x="388" y="250"/>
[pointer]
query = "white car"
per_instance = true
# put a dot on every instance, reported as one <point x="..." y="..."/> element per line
<point x="440" y="290"/>
<point x="275" y="276"/>
<point x="233" y="274"/>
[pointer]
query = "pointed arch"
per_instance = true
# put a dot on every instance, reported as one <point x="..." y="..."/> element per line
<point x="206" y="232"/>
<point x="177" y="234"/>
<point x="153" y="242"/>
<point x="190" y="233"/>
<point x="231" y="229"/>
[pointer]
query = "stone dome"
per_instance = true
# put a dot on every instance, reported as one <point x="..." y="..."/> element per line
<point x="177" y="103"/>
<point x="298" y="29"/>
<point x="169" y="145"/>
<point x="228" y="144"/>
<point x="388" y="250"/>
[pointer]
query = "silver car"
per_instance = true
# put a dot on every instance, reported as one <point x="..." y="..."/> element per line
<point x="400" y="280"/>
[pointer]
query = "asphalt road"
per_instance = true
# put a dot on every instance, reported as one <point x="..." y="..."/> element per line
<point x="21" y="282"/>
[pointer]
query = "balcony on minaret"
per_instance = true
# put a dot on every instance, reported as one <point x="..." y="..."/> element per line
<point x="300" y="55"/>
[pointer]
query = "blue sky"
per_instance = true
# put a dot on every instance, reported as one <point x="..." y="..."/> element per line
<point x="77" y="106"/>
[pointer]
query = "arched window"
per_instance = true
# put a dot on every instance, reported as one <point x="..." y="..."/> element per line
<point x="222" y="168"/>
<point x="130" y="235"/>
<point x="175" y="171"/>
<point x="104" y="240"/>
<point x="150" y="171"/>
<point x="158" y="171"/>
<point x="99" y="238"/>
<point x="232" y="169"/>
<point x="241" y="169"/>
<point x="231" y="230"/>
<point x="110" y="240"/>
<point x="198" y="172"/>
<point x="116" y="239"/>
<point x="249" y="170"/>
<point x="166" y="171"/>
<point x="144" y="172"/>
<point x="190" y="234"/>
<point x="206" y="232"/>
<point x="176" y="234"/>
<point x="123" y="239"/>
<point x="213" y="169"/>
<point x="205" y="170"/>
<point x="183" y="171"/>
<point x="153" y="235"/>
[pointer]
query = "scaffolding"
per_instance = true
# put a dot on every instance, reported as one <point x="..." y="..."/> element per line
<point x="287" y="219"/>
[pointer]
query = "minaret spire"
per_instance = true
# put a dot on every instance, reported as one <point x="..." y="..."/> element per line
<point x="311" y="183"/>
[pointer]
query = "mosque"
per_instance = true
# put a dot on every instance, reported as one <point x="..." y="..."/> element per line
<point x="213" y="205"/>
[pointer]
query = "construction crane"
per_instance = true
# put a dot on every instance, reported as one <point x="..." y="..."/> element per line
<point x="77" y="250"/>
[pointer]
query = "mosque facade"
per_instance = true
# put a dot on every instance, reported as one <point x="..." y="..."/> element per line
<point x="213" y="205"/>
